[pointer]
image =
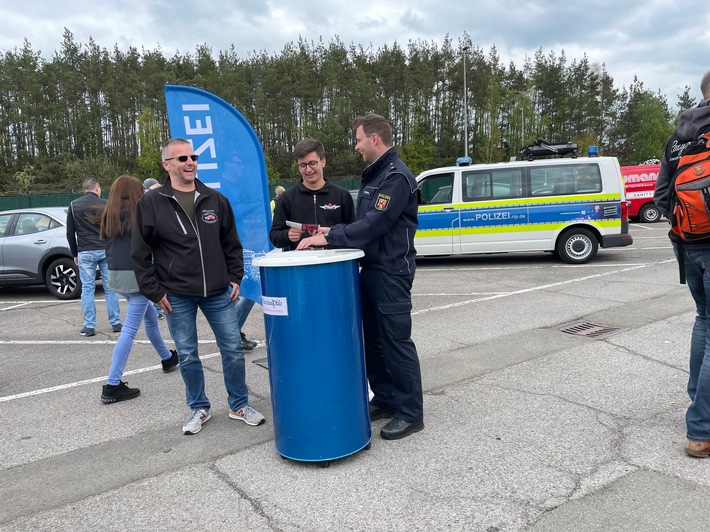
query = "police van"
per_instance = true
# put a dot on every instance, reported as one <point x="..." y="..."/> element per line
<point x="568" y="206"/>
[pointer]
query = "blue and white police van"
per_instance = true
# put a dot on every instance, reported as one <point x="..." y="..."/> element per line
<point x="568" y="206"/>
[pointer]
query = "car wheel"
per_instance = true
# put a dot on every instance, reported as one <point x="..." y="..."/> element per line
<point x="650" y="213"/>
<point x="577" y="246"/>
<point x="62" y="279"/>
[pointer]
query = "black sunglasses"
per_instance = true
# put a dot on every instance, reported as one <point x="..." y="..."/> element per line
<point x="182" y="158"/>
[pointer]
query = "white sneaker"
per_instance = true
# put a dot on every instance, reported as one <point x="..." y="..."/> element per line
<point x="248" y="415"/>
<point x="193" y="423"/>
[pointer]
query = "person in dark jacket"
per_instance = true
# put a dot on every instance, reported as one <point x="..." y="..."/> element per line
<point x="384" y="230"/>
<point x="695" y="261"/>
<point x="89" y="252"/>
<point x="313" y="201"/>
<point x="116" y="228"/>
<point x="187" y="255"/>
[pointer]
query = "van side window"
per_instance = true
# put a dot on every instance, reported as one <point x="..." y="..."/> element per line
<point x="492" y="184"/>
<point x="436" y="189"/>
<point x="565" y="179"/>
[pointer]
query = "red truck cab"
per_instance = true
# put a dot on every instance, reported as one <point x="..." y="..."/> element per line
<point x="639" y="182"/>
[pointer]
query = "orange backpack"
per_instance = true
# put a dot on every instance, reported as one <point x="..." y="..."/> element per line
<point x="691" y="188"/>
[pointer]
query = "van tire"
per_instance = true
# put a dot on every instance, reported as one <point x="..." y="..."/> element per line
<point x="577" y="246"/>
<point x="649" y="213"/>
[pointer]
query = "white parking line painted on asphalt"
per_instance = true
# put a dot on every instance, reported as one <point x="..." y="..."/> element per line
<point x="423" y="311"/>
<point x="536" y="288"/>
<point x="421" y="270"/>
<point x="87" y="381"/>
<point x="16" y="306"/>
<point x="457" y="294"/>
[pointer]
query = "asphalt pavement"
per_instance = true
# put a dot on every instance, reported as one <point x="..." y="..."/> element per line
<point x="528" y="426"/>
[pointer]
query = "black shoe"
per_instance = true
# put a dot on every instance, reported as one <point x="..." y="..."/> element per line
<point x="247" y="345"/>
<point x="120" y="392"/>
<point x="171" y="363"/>
<point x="377" y="412"/>
<point x="396" y="429"/>
<point x="87" y="331"/>
<point x="117" y="328"/>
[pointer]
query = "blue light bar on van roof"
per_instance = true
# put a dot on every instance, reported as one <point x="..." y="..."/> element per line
<point x="593" y="151"/>
<point x="464" y="161"/>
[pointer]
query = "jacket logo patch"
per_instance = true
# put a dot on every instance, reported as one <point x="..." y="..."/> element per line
<point x="383" y="201"/>
<point x="209" y="217"/>
<point x="330" y="207"/>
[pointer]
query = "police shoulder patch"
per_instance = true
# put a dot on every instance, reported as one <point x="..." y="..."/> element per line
<point x="383" y="201"/>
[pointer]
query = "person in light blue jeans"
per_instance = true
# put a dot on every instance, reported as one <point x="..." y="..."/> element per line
<point x="116" y="231"/>
<point x="87" y="262"/>
<point x="89" y="252"/>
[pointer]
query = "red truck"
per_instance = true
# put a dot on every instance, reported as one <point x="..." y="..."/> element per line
<point x="639" y="182"/>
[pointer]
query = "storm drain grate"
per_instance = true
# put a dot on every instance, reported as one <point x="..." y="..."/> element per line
<point x="584" y="328"/>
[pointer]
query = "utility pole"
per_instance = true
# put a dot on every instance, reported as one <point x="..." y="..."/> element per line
<point x="465" y="103"/>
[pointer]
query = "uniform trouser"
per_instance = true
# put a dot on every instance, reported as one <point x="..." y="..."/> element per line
<point x="390" y="354"/>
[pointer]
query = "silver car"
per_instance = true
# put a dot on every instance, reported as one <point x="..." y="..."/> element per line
<point x="34" y="250"/>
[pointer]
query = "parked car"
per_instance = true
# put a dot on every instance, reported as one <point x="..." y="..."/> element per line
<point x="34" y="250"/>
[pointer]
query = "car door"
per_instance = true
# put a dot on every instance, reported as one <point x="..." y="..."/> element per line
<point x="438" y="231"/>
<point x="29" y="238"/>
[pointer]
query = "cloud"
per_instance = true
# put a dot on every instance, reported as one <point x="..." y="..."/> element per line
<point x="650" y="39"/>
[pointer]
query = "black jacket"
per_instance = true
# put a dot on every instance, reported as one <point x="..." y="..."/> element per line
<point x="170" y="254"/>
<point x="691" y="124"/>
<point x="82" y="231"/>
<point x="329" y="206"/>
<point x="386" y="217"/>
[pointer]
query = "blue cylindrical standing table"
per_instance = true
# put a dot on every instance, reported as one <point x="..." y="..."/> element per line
<point x="312" y="314"/>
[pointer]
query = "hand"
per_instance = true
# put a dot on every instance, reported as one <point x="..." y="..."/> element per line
<point x="312" y="241"/>
<point x="165" y="304"/>
<point x="323" y="230"/>
<point x="294" y="235"/>
<point x="235" y="291"/>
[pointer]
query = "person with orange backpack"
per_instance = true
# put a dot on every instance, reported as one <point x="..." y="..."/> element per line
<point x="683" y="195"/>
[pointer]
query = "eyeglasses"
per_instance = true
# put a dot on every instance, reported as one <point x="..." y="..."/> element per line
<point x="312" y="164"/>
<point x="182" y="158"/>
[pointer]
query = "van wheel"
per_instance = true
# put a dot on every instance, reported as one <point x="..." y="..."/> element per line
<point x="62" y="279"/>
<point x="650" y="213"/>
<point x="577" y="246"/>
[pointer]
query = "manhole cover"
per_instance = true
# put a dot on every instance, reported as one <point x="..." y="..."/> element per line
<point x="584" y="328"/>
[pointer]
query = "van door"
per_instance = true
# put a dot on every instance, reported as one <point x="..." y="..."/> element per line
<point x="494" y="214"/>
<point x="438" y="216"/>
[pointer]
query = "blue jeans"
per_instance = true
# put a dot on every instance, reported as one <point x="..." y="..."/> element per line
<point x="222" y="317"/>
<point x="243" y="306"/>
<point x="139" y="310"/>
<point x="697" y="275"/>
<point x="88" y="260"/>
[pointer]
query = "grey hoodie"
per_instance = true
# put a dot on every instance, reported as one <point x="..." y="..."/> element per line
<point x="691" y="125"/>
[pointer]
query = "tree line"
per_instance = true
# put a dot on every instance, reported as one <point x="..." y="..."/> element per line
<point x="87" y="110"/>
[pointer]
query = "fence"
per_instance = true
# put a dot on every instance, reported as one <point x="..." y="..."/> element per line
<point x="62" y="200"/>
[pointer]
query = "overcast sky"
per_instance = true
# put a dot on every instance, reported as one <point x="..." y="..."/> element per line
<point x="664" y="43"/>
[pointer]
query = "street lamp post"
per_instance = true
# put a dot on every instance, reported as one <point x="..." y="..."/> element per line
<point x="465" y="104"/>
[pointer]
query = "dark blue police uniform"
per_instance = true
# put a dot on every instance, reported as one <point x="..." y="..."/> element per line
<point x="384" y="230"/>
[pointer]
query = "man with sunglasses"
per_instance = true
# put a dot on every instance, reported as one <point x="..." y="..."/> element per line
<point x="187" y="255"/>
<point x="313" y="201"/>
